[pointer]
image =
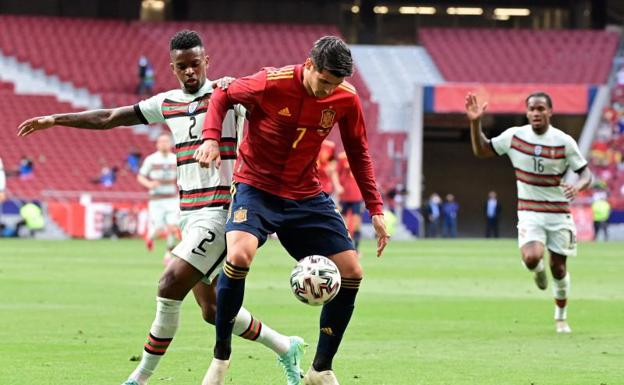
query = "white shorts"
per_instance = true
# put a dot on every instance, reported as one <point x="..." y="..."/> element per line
<point x="203" y="241"/>
<point x="163" y="212"/>
<point x="556" y="231"/>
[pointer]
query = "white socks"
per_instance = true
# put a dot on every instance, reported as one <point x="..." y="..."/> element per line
<point x="561" y="290"/>
<point x="249" y="328"/>
<point x="161" y="333"/>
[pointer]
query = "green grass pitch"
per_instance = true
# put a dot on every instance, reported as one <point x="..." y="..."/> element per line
<point x="429" y="312"/>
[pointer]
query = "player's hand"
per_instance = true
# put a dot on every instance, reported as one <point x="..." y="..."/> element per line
<point x="35" y="124"/>
<point x="207" y="153"/>
<point x="473" y="110"/>
<point x="223" y="83"/>
<point x="154" y="184"/>
<point x="381" y="233"/>
<point x="569" y="191"/>
<point x="2" y="196"/>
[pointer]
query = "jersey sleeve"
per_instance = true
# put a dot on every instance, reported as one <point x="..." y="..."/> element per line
<point x="247" y="91"/>
<point x="502" y="143"/>
<point x="353" y="134"/>
<point x="146" y="167"/>
<point x="574" y="157"/>
<point x="2" y="177"/>
<point x="150" y="110"/>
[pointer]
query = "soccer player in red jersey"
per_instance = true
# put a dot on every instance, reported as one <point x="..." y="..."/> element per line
<point x="328" y="173"/>
<point x="277" y="189"/>
<point x="351" y="202"/>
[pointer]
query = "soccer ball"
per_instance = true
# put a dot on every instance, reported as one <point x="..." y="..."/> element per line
<point x="315" y="280"/>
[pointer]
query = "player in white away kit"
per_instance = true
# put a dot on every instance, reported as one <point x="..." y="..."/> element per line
<point x="204" y="200"/>
<point x="541" y="154"/>
<point x="158" y="174"/>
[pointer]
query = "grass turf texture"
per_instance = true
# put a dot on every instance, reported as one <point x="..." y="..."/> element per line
<point x="429" y="312"/>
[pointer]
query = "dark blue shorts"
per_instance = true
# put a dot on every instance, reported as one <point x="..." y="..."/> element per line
<point x="352" y="207"/>
<point x="311" y="226"/>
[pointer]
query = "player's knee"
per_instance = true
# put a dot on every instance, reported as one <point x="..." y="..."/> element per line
<point x="240" y="257"/>
<point x="353" y="270"/>
<point x="168" y="282"/>
<point x="531" y="260"/>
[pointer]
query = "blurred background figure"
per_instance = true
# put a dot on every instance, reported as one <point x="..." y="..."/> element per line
<point x="26" y="168"/>
<point x="450" y="208"/>
<point x="146" y="76"/>
<point x="2" y="184"/>
<point x="32" y="219"/>
<point x="433" y="213"/>
<point x="134" y="160"/>
<point x="601" y="210"/>
<point x="350" y="198"/>
<point x="107" y="176"/>
<point x="492" y="214"/>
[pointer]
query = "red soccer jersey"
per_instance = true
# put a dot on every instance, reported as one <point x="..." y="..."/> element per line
<point x="286" y="128"/>
<point x="326" y="155"/>
<point x="347" y="180"/>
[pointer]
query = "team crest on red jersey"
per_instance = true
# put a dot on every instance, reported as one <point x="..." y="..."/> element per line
<point x="327" y="118"/>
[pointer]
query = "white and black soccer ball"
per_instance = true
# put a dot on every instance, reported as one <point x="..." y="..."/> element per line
<point x="315" y="280"/>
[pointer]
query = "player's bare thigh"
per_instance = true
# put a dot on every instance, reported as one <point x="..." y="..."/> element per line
<point x="241" y="248"/>
<point x="348" y="264"/>
<point x="532" y="252"/>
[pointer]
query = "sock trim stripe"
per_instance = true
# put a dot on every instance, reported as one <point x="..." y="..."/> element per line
<point x="253" y="331"/>
<point x="151" y="350"/>
<point x="234" y="272"/>
<point x="236" y="268"/>
<point x="159" y="339"/>
<point x="351" y="283"/>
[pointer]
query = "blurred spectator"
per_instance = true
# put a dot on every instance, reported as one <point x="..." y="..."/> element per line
<point x="149" y="80"/>
<point x="25" y="168"/>
<point x="395" y="197"/>
<point x="2" y="184"/>
<point x="134" y="160"/>
<point x="2" y="194"/>
<point x="108" y="176"/>
<point x="144" y="71"/>
<point x="32" y="218"/>
<point x="620" y="76"/>
<point x="601" y="210"/>
<point x="492" y="215"/>
<point x="450" y="208"/>
<point x="433" y="212"/>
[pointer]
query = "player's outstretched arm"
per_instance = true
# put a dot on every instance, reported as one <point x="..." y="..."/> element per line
<point x="380" y="233"/>
<point x="92" y="120"/>
<point x="480" y="143"/>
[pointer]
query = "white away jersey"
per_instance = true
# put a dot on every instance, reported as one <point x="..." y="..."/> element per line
<point x="184" y="115"/>
<point x="540" y="162"/>
<point x="161" y="168"/>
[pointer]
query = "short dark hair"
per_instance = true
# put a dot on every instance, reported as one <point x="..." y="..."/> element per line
<point x="540" y="94"/>
<point x="332" y="54"/>
<point x="185" y="40"/>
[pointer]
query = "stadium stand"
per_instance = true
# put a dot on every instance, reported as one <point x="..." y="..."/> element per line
<point x="64" y="158"/>
<point x="102" y="56"/>
<point x="521" y="56"/>
<point x="392" y="73"/>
